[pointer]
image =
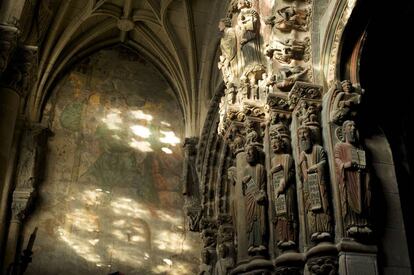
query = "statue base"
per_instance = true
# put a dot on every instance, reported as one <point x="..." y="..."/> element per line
<point x="322" y="259"/>
<point x="289" y="263"/>
<point x="254" y="266"/>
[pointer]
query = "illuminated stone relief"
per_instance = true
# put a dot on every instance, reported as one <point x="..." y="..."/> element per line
<point x="112" y="197"/>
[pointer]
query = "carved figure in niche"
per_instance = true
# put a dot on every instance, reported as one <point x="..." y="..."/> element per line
<point x="312" y="165"/>
<point x="254" y="191"/>
<point x="263" y="86"/>
<point x="244" y="90"/>
<point x="344" y="103"/>
<point x="228" y="46"/>
<point x="292" y="19"/>
<point x="309" y="114"/>
<point x="254" y="89"/>
<point x="225" y="262"/>
<point x="248" y="22"/>
<point x="205" y="267"/>
<point x="231" y="177"/>
<point x="287" y="76"/>
<point x="353" y="180"/>
<point x="287" y="50"/>
<point x="251" y="134"/>
<point x="231" y="93"/>
<point x="283" y="181"/>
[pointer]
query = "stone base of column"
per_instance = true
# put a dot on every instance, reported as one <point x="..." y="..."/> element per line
<point x="289" y="263"/>
<point x="254" y="266"/>
<point x="357" y="258"/>
<point x="322" y="259"/>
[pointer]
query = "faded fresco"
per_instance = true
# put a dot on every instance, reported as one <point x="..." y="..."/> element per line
<point x="111" y="200"/>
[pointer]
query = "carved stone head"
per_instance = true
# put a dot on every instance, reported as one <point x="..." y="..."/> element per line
<point x="244" y="4"/>
<point x="223" y="251"/>
<point x="205" y="256"/>
<point x="305" y="138"/>
<point x="350" y="132"/>
<point x="346" y="86"/>
<point x="224" y="23"/>
<point x="252" y="154"/>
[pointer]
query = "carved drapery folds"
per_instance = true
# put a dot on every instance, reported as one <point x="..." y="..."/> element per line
<point x="270" y="193"/>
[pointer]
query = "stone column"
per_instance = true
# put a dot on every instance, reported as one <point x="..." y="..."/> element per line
<point x="8" y="42"/>
<point x="30" y="170"/>
<point x="15" y="82"/>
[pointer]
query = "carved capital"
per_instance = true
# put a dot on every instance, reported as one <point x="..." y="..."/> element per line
<point x="304" y="90"/>
<point x="22" y="198"/>
<point x="8" y="42"/>
<point x="21" y="74"/>
<point x="325" y="265"/>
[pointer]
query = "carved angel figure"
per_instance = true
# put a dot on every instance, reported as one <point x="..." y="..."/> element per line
<point x="228" y="46"/>
<point x="292" y="18"/>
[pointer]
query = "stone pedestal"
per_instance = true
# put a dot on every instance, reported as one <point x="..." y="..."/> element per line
<point x="351" y="263"/>
<point x="357" y="258"/>
<point x="289" y="263"/>
<point x="256" y="266"/>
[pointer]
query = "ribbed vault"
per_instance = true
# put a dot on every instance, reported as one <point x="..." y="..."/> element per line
<point x="179" y="37"/>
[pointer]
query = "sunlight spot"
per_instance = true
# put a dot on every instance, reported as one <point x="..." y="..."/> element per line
<point x="116" y="137"/>
<point x="113" y="120"/>
<point x="140" y="131"/>
<point x="143" y="146"/>
<point x="94" y="242"/>
<point x="165" y="123"/>
<point x="166" y="150"/>
<point x="137" y="239"/>
<point x="119" y="222"/>
<point x="168" y="262"/>
<point x="141" y="115"/>
<point x="169" y="138"/>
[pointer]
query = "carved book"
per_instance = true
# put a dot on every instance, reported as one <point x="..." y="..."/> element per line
<point x="314" y="193"/>
<point x="280" y="202"/>
<point x="358" y="156"/>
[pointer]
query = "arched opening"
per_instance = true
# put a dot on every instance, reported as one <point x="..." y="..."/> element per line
<point x="111" y="197"/>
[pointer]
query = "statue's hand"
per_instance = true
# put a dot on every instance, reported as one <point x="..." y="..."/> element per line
<point x="277" y="168"/>
<point x="348" y="164"/>
<point x="312" y="169"/>
<point x="246" y="179"/>
<point x="261" y="197"/>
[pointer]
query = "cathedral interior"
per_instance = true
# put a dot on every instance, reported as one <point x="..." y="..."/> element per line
<point x="206" y="137"/>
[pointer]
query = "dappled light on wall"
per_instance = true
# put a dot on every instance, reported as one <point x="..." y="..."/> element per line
<point x="112" y="195"/>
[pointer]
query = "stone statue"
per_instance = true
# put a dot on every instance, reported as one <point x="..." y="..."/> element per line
<point x="225" y="263"/>
<point x="228" y="46"/>
<point x="205" y="267"/>
<point x="248" y="22"/>
<point x="283" y="180"/>
<point x="344" y="103"/>
<point x="244" y="90"/>
<point x="254" y="191"/>
<point x="287" y="50"/>
<point x="292" y="19"/>
<point x="353" y="180"/>
<point x="312" y="165"/>
<point x="287" y="76"/>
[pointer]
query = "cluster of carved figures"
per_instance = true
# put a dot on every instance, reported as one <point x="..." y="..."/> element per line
<point x="287" y="187"/>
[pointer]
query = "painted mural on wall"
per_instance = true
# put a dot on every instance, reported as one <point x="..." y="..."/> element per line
<point x="111" y="200"/>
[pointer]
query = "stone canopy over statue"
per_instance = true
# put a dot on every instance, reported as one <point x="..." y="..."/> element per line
<point x="354" y="183"/>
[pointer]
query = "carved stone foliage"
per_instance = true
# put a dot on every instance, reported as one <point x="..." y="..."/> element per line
<point x="8" y="42"/>
<point x="285" y="51"/>
<point x="303" y="90"/>
<point x="326" y="265"/>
